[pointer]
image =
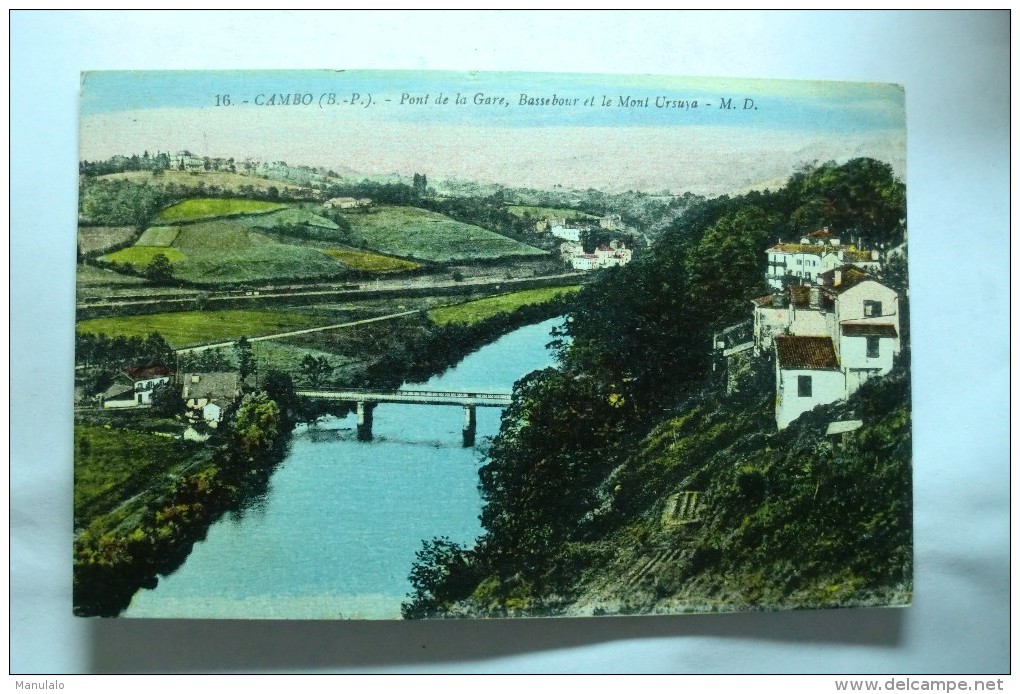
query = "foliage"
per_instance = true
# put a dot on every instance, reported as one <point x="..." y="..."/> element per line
<point x="435" y="563"/>
<point x="245" y="357"/>
<point x="207" y="208"/>
<point x="159" y="270"/>
<point x="316" y="369"/>
<point x="118" y="203"/>
<point x="143" y="348"/>
<point x="167" y="400"/>
<point x="256" y="424"/>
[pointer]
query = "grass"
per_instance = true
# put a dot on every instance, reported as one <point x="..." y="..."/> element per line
<point x="474" y="311"/>
<point x="230" y="182"/>
<point x="269" y="262"/>
<point x="207" y="208"/>
<point x="544" y="212"/>
<point x="370" y="262"/>
<point x="291" y="216"/>
<point x="410" y="232"/>
<point x="110" y="465"/>
<point x="101" y="238"/>
<point x="158" y="236"/>
<point x="90" y="276"/>
<point x="143" y="255"/>
<point x="185" y="328"/>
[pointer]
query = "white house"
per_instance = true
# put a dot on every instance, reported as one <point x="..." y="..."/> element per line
<point x="566" y="233"/>
<point x="133" y="387"/>
<point x="852" y="315"/>
<point x="808" y="374"/>
<point x="817" y="253"/>
<point x="585" y="261"/>
<point x="207" y="395"/>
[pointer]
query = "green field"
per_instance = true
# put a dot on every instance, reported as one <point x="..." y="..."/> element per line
<point x="291" y="216"/>
<point x="186" y="328"/>
<point x="410" y="232"/>
<point x="474" y="311"/>
<point x="101" y="238"/>
<point x="544" y="212"/>
<point x="158" y="236"/>
<point x="263" y="263"/>
<point x="207" y="208"/>
<point x="113" y="464"/>
<point x="370" y="262"/>
<point x="143" y="255"/>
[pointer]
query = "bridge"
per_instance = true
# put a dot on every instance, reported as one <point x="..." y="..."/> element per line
<point x="366" y="400"/>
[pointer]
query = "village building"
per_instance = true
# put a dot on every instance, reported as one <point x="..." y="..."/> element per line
<point x="207" y="395"/>
<point x="347" y="203"/>
<point x="817" y="253"/>
<point x="133" y="387"/>
<point x="612" y="222"/>
<point x="807" y="375"/>
<point x="585" y="261"/>
<point x="186" y="161"/>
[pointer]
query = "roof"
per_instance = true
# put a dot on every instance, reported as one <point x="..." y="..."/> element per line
<point x="763" y="301"/>
<point x="119" y="391"/>
<point x="212" y="385"/>
<point x="843" y="427"/>
<point x="144" y="373"/>
<point x="869" y="329"/>
<point x="850" y="278"/>
<point x="811" y="249"/>
<point x="805" y="352"/>
<point x="821" y="234"/>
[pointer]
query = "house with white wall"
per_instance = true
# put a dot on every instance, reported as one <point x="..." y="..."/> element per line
<point x="808" y="374"/>
<point x="849" y="327"/>
<point x="207" y="395"/>
<point x="816" y="253"/>
<point x="566" y="233"/>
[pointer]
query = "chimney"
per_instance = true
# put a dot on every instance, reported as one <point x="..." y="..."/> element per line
<point x="837" y="278"/>
<point x="814" y="298"/>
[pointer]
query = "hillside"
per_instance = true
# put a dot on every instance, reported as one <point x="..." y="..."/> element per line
<point x="418" y="234"/>
<point x="197" y="181"/>
<point x="627" y="480"/>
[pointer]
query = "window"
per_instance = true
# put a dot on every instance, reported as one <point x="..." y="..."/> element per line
<point x="872" y="346"/>
<point x="872" y="308"/>
<point x="804" y="386"/>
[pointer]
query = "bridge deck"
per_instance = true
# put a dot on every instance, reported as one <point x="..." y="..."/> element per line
<point x="412" y="397"/>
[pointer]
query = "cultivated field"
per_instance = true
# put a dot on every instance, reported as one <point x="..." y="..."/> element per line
<point x="410" y="232"/>
<point x="187" y="328"/>
<point x="370" y="262"/>
<point x="101" y="238"/>
<point x="140" y="256"/>
<point x="207" y="208"/>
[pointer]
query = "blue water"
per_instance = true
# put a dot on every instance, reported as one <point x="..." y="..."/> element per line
<point x="335" y="536"/>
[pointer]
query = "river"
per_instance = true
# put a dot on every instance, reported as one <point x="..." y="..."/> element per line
<point x="335" y="535"/>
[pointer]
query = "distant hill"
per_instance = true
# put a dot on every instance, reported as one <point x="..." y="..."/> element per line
<point x="224" y="180"/>
<point x="411" y="232"/>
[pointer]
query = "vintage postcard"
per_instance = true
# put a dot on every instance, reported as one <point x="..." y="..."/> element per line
<point x="384" y="345"/>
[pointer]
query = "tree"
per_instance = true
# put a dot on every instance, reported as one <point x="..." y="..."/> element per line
<point x="256" y="424"/>
<point x="245" y="357"/>
<point x="167" y="400"/>
<point x="316" y="369"/>
<point x="159" y="270"/>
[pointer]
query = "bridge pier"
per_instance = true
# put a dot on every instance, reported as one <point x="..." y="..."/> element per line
<point x="365" y="420"/>
<point x="470" y="426"/>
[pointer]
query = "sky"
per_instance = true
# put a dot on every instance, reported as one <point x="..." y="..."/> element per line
<point x="530" y="129"/>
